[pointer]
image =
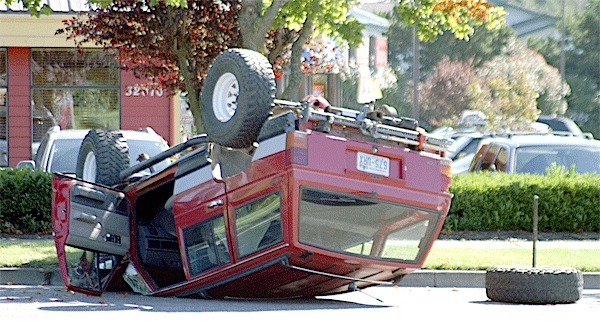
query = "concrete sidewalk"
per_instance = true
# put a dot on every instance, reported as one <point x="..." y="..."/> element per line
<point x="420" y="278"/>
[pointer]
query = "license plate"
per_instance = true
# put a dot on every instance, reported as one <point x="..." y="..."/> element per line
<point x="373" y="164"/>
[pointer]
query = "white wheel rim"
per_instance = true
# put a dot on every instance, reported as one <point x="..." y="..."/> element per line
<point x="89" y="167"/>
<point x="225" y="97"/>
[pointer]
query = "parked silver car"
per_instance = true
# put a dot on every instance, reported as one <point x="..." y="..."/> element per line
<point x="535" y="153"/>
<point x="59" y="149"/>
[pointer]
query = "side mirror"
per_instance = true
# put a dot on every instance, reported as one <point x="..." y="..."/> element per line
<point x="26" y="164"/>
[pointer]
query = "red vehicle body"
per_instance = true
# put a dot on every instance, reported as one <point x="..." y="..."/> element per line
<point x="319" y="206"/>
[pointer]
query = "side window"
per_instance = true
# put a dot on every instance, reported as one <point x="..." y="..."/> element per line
<point x="477" y="160"/>
<point x="258" y="224"/>
<point x="206" y="245"/>
<point x="490" y="158"/>
<point x="502" y="160"/>
<point x="39" y="153"/>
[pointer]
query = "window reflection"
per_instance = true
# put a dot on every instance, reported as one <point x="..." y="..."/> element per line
<point x="361" y="225"/>
<point x="206" y="245"/>
<point x="74" y="90"/>
<point x="89" y="270"/>
<point x="258" y="224"/>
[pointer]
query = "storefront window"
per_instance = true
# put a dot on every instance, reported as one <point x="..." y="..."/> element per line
<point x="73" y="90"/>
<point x="3" y="110"/>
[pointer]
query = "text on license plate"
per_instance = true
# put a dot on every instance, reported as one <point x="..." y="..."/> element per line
<point x="373" y="164"/>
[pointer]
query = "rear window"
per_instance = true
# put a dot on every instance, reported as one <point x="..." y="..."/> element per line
<point x="151" y="148"/>
<point x="63" y="155"/>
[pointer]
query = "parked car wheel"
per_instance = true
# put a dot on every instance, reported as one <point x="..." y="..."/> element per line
<point x="102" y="156"/>
<point x="545" y="285"/>
<point x="237" y="97"/>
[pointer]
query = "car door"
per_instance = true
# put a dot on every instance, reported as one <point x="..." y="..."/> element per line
<point x="91" y="231"/>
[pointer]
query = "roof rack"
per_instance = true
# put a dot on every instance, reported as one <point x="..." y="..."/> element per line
<point x="399" y="130"/>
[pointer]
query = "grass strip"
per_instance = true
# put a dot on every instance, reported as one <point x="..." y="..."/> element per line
<point x="470" y="258"/>
<point x="42" y="254"/>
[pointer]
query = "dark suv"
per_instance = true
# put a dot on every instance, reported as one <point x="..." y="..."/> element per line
<point x="533" y="154"/>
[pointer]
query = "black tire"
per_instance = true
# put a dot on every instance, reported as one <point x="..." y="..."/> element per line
<point x="109" y="151"/>
<point x="546" y="285"/>
<point x="238" y="124"/>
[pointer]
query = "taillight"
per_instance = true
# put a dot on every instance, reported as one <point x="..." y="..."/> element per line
<point x="446" y="170"/>
<point x="446" y="167"/>
<point x="297" y="148"/>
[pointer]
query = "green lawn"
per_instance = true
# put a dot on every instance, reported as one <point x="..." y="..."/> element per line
<point x="41" y="254"/>
<point x="452" y="258"/>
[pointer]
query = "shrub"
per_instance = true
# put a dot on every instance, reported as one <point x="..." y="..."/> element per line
<point x="25" y="201"/>
<point x="568" y="202"/>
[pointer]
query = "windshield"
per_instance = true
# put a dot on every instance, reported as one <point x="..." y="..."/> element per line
<point x="363" y="226"/>
<point x="535" y="160"/>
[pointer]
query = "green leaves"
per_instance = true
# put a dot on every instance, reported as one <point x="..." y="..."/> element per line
<point x="433" y="17"/>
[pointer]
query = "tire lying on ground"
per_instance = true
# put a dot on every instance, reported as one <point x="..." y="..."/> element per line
<point x="544" y="285"/>
<point x="102" y="156"/>
<point x="237" y="96"/>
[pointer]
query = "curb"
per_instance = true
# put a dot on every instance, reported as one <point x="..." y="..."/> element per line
<point x="29" y="276"/>
<point x="419" y="278"/>
<point x="470" y="279"/>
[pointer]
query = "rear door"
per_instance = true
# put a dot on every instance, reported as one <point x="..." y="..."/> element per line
<point x="91" y="226"/>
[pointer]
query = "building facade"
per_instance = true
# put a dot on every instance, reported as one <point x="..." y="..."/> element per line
<point x="45" y="81"/>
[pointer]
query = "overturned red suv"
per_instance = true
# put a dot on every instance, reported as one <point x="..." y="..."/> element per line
<point x="278" y="199"/>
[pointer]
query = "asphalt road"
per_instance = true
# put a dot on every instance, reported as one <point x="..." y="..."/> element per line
<point x="377" y="305"/>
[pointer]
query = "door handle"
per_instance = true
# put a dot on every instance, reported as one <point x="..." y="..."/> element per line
<point x="214" y="204"/>
<point x="87" y="218"/>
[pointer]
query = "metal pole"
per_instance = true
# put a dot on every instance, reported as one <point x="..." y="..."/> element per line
<point x="562" y="50"/>
<point x="535" y="226"/>
<point x="415" y="74"/>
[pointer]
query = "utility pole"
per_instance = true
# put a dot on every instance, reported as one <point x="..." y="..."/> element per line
<point x="415" y="74"/>
<point x="562" y="50"/>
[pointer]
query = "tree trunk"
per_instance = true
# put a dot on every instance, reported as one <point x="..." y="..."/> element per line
<point x="181" y="50"/>
<point x="254" y="25"/>
<point x="292" y="90"/>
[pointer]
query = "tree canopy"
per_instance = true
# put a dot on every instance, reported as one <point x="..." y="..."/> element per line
<point x="172" y="42"/>
<point x="582" y="70"/>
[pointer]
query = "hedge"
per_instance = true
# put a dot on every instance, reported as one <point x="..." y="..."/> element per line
<point x="568" y="202"/>
<point x="25" y="201"/>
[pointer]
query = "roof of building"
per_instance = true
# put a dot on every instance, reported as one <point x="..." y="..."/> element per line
<point x="57" y="6"/>
<point x="370" y="20"/>
<point x="525" y="22"/>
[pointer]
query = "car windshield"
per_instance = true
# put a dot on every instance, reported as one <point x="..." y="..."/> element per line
<point x="63" y="154"/>
<point x="535" y="160"/>
<point x="362" y="226"/>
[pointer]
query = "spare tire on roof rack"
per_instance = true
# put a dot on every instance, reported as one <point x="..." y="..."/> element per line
<point x="237" y="97"/>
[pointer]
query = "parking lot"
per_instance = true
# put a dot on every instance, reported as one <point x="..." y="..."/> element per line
<point x="53" y="304"/>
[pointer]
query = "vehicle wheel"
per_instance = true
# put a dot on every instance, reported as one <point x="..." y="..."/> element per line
<point x="545" y="285"/>
<point x="237" y="96"/>
<point x="102" y="156"/>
